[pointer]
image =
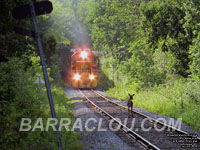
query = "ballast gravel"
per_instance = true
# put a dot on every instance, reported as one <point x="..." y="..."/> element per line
<point x="95" y="140"/>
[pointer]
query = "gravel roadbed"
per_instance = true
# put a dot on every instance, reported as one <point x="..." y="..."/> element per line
<point x="95" y="140"/>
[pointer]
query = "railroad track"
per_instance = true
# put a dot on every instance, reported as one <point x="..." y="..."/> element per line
<point x="161" y="136"/>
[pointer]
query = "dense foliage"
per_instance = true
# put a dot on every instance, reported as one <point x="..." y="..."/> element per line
<point x="22" y="98"/>
<point x="143" y="37"/>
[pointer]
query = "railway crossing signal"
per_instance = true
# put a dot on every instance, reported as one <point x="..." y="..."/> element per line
<point x="32" y="10"/>
<point x="24" y="11"/>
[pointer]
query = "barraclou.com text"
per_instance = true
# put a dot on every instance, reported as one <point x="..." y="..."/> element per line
<point x="91" y="124"/>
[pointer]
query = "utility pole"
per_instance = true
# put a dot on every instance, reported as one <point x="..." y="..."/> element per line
<point x="51" y="103"/>
<point x="32" y="10"/>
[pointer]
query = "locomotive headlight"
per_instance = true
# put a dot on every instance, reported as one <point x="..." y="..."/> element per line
<point x="84" y="54"/>
<point x="91" y="77"/>
<point x="77" y="77"/>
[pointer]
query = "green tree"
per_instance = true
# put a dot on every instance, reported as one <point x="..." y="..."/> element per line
<point x="195" y="57"/>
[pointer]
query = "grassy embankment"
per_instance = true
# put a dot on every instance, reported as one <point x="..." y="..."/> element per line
<point x="177" y="98"/>
<point x="70" y="139"/>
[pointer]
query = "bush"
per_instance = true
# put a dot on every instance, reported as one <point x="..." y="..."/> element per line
<point x="195" y="57"/>
<point x="21" y="98"/>
<point x="105" y="81"/>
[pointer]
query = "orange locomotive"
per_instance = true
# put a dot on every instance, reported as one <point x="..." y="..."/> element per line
<point x="84" y="69"/>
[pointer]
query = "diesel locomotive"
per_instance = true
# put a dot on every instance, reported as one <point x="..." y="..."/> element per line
<point x="84" y="68"/>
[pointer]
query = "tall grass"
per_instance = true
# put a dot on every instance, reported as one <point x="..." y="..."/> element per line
<point x="70" y="139"/>
<point x="177" y="98"/>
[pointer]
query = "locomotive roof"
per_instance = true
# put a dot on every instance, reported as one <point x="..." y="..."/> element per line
<point x="77" y="51"/>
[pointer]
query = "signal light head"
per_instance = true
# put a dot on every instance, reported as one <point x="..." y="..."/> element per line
<point x="91" y="77"/>
<point x="84" y="54"/>
<point x="77" y="77"/>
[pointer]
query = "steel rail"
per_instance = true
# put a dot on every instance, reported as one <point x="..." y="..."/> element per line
<point x="131" y="133"/>
<point x="154" y="120"/>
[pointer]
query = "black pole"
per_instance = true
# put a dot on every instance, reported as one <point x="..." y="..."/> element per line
<point x="50" y="98"/>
